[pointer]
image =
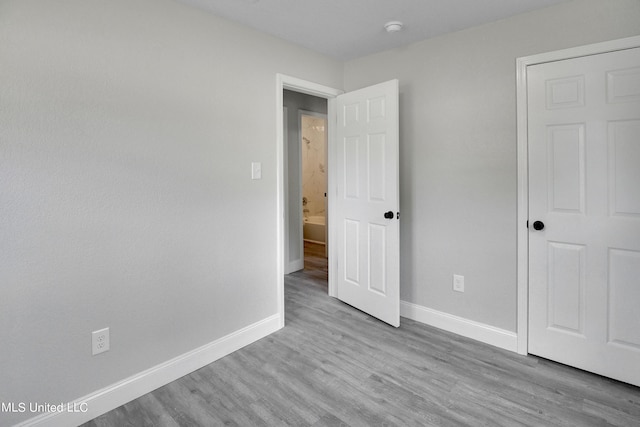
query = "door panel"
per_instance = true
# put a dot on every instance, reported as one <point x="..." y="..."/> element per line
<point x="566" y="168"/>
<point x="584" y="184"/>
<point x="623" y="300"/>
<point x="624" y="167"/>
<point x="367" y="186"/>
<point x="566" y="282"/>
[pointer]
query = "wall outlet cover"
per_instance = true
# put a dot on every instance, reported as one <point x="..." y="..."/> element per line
<point x="458" y="283"/>
<point x="99" y="341"/>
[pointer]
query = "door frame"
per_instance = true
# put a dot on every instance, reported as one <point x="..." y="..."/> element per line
<point x="303" y="86"/>
<point x="522" y="248"/>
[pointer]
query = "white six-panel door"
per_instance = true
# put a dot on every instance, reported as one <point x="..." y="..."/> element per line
<point x="584" y="186"/>
<point x="367" y="243"/>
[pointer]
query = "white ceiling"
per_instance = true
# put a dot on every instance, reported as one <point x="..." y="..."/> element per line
<point x="347" y="29"/>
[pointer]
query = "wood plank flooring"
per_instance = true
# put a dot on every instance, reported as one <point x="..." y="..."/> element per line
<point x="333" y="365"/>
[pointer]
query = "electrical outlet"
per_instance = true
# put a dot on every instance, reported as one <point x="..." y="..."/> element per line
<point x="100" y="341"/>
<point x="458" y="283"/>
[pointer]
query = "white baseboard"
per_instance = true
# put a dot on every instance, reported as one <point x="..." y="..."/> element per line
<point x="102" y="401"/>
<point x="458" y="325"/>
<point x="295" y="266"/>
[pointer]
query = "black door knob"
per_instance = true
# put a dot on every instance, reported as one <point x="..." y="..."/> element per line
<point x="388" y="215"/>
<point x="538" y="225"/>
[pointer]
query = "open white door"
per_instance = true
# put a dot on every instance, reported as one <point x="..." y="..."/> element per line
<point x="367" y="201"/>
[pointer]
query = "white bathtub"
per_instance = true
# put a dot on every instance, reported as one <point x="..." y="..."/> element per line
<point x="313" y="229"/>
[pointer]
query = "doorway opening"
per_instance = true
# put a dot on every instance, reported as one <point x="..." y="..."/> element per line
<point x="305" y="158"/>
<point x="313" y="162"/>
<point x="313" y="156"/>
<point x="308" y="97"/>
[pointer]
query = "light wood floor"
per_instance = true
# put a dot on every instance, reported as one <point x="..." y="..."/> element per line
<point x="333" y="365"/>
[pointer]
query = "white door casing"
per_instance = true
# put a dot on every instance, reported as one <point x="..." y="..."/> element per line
<point x="584" y="185"/>
<point x="366" y="171"/>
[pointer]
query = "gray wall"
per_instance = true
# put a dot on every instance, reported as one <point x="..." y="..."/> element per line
<point x="127" y="128"/>
<point x="127" y="131"/>
<point x="294" y="102"/>
<point x="458" y="149"/>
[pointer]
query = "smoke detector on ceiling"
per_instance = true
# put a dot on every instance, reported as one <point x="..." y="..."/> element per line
<point x="393" y="26"/>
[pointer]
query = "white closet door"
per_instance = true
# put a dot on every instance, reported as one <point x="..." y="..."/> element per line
<point x="584" y="187"/>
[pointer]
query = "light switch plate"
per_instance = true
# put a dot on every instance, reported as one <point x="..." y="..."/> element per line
<point x="256" y="170"/>
<point x="458" y="283"/>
